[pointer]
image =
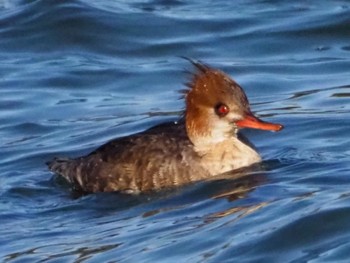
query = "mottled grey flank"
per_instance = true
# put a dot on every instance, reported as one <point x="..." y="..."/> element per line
<point x="144" y="162"/>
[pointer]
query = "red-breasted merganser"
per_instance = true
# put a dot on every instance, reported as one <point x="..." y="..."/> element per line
<point x="204" y="143"/>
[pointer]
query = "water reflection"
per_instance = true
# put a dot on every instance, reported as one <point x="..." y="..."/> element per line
<point x="231" y="186"/>
<point x="79" y="254"/>
<point x="243" y="210"/>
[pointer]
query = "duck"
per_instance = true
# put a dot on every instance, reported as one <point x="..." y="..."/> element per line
<point x="205" y="142"/>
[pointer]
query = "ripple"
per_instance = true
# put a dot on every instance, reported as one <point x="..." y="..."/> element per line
<point x="77" y="73"/>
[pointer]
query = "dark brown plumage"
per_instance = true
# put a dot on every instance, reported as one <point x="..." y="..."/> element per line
<point x="137" y="163"/>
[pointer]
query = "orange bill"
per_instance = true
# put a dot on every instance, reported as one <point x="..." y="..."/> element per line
<point x="250" y="121"/>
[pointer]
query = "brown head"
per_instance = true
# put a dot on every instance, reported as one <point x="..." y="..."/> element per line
<point x="216" y="107"/>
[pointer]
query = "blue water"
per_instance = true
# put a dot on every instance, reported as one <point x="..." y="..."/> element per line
<point x="75" y="74"/>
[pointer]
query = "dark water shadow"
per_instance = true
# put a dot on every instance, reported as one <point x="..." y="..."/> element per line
<point x="232" y="186"/>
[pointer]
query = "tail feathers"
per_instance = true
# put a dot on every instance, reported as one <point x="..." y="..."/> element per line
<point x="69" y="170"/>
<point x="63" y="167"/>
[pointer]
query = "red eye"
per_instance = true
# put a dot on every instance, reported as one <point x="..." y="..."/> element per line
<point x="222" y="110"/>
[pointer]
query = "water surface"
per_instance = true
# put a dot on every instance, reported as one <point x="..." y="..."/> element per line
<point x="75" y="74"/>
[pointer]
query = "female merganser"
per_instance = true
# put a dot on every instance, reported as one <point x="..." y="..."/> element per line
<point x="201" y="145"/>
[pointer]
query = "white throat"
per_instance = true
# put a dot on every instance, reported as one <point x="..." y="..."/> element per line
<point x="226" y="155"/>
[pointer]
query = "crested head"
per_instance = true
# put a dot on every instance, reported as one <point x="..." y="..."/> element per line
<point x="213" y="102"/>
<point x="216" y="107"/>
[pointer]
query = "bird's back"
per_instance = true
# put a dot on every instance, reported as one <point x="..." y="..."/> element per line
<point x="159" y="158"/>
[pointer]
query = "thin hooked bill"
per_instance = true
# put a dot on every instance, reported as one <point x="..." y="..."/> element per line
<point x="250" y="121"/>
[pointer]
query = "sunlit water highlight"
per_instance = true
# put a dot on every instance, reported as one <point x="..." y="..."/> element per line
<point x="75" y="74"/>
